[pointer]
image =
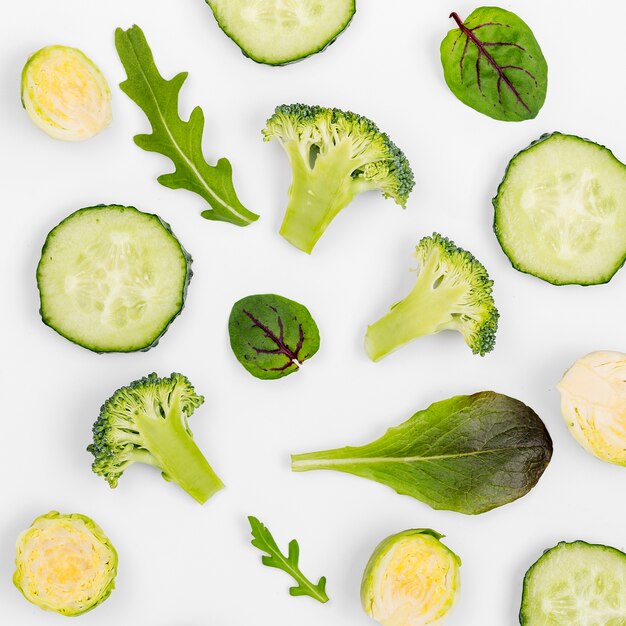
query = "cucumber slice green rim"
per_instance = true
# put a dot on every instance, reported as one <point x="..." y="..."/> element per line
<point x="112" y="278"/>
<point x="278" y="32"/>
<point x="576" y="584"/>
<point x="560" y="211"/>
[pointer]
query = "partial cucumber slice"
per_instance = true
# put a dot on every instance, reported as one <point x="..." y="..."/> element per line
<point x="560" y="212"/>
<point x="576" y="584"/>
<point x="277" y="32"/>
<point x="112" y="278"/>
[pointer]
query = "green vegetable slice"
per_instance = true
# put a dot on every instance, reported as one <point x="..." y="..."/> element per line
<point x="272" y="336"/>
<point x="65" y="564"/>
<point x="493" y="63"/>
<point x="411" y="579"/>
<point x="65" y="94"/>
<point x="263" y="540"/>
<point x="176" y="139"/>
<point x="576" y="584"/>
<point x="276" y="32"/>
<point x="112" y="278"/>
<point x="467" y="454"/>
<point x="560" y="211"/>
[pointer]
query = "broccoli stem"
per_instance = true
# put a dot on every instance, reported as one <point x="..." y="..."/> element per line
<point x="317" y="194"/>
<point x="426" y="310"/>
<point x="176" y="453"/>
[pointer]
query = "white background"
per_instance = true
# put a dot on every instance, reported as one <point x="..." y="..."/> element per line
<point x="186" y="565"/>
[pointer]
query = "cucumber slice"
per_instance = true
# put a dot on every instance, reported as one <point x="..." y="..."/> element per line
<point x="277" y="32"/>
<point x="112" y="278"/>
<point x="560" y="212"/>
<point x="576" y="584"/>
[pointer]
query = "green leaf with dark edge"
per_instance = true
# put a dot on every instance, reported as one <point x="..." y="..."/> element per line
<point x="171" y="136"/>
<point x="263" y="540"/>
<point x="468" y="454"/>
<point x="272" y="336"/>
<point x="493" y="63"/>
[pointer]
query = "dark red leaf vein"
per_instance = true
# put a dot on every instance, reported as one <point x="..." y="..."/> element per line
<point x="489" y="24"/>
<point x="504" y="43"/>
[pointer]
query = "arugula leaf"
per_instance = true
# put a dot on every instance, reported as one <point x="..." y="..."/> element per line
<point x="263" y="540"/>
<point x="468" y="454"/>
<point x="171" y="136"/>
<point x="493" y="63"/>
<point x="272" y="336"/>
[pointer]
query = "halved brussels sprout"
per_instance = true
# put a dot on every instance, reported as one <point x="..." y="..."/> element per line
<point x="593" y="403"/>
<point x="65" y="94"/>
<point x="412" y="579"/>
<point x="65" y="563"/>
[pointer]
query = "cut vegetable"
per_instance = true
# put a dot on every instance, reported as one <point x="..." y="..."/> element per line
<point x="112" y="278"/>
<point x="576" y="584"/>
<point x="593" y="404"/>
<point x="411" y="579"/>
<point x="276" y="32"/>
<point x="65" y="564"/>
<point x="560" y="212"/>
<point x="65" y="94"/>
<point x="335" y="155"/>
<point x="147" y="422"/>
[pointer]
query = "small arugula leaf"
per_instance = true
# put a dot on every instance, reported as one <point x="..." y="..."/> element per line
<point x="263" y="540"/>
<point x="493" y="63"/>
<point x="173" y="137"/>
<point x="272" y="336"/>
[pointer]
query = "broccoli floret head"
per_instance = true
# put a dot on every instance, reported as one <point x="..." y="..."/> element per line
<point x="334" y="155"/>
<point x="453" y="292"/>
<point x="146" y="422"/>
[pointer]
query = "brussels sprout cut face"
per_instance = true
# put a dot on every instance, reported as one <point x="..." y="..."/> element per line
<point x="65" y="94"/>
<point x="593" y="403"/>
<point x="65" y="563"/>
<point x="412" y="579"/>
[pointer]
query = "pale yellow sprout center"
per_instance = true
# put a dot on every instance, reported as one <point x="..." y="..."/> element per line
<point x="593" y="403"/>
<point x="63" y="566"/>
<point x="417" y="583"/>
<point x="65" y="94"/>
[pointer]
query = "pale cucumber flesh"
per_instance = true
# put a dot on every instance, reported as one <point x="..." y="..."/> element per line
<point x="560" y="212"/>
<point x="576" y="584"/>
<point x="112" y="278"/>
<point x="277" y="32"/>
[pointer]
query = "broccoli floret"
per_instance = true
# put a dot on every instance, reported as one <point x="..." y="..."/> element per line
<point x="334" y="155"/>
<point x="146" y="422"/>
<point x="452" y="292"/>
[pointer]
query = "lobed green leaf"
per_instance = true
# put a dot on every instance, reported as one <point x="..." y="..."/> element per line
<point x="171" y="136"/>
<point x="263" y="540"/>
